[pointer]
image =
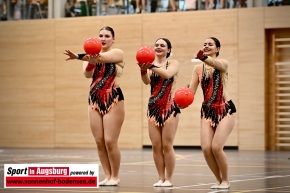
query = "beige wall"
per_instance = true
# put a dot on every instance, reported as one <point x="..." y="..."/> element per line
<point x="44" y="98"/>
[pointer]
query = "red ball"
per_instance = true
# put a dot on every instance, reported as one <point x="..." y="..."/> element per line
<point x="145" y="55"/>
<point x="92" y="46"/>
<point x="183" y="97"/>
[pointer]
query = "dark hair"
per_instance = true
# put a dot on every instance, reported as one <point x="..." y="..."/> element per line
<point x="168" y="45"/>
<point x="217" y="43"/>
<point x="109" y="29"/>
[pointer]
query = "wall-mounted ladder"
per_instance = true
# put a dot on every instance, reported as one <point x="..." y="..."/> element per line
<point x="282" y="92"/>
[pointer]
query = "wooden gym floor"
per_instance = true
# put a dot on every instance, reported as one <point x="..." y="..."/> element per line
<point x="250" y="171"/>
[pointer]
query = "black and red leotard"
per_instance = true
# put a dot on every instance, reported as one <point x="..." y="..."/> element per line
<point x="103" y="91"/>
<point x="161" y="105"/>
<point x="214" y="107"/>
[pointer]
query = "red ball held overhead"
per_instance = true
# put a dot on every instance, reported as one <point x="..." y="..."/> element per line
<point x="92" y="46"/>
<point x="183" y="97"/>
<point x="145" y="55"/>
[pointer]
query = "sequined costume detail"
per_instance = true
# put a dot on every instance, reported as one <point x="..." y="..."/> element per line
<point x="103" y="92"/>
<point x="161" y="106"/>
<point x="214" y="107"/>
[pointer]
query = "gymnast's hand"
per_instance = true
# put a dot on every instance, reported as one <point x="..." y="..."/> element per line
<point x="145" y="66"/>
<point x="200" y="55"/>
<point x="93" y="59"/>
<point x="71" y="55"/>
